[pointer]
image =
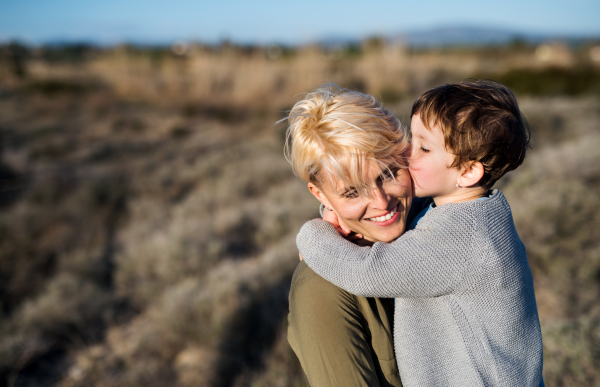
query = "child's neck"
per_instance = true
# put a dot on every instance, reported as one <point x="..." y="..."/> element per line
<point x="461" y="195"/>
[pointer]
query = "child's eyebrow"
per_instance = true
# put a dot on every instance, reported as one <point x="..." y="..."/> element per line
<point x="427" y="136"/>
<point x="421" y="137"/>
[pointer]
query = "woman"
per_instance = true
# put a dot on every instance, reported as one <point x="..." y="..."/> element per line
<point x="345" y="144"/>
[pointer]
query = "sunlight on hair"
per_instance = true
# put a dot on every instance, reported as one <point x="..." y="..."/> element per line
<point x="334" y="132"/>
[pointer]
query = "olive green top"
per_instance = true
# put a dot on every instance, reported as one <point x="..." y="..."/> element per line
<point x="340" y="339"/>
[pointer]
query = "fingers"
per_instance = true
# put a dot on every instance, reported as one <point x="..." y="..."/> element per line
<point x="300" y="256"/>
<point x="343" y="226"/>
<point x="330" y="217"/>
<point x="342" y="232"/>
<point x="355" y="237"/>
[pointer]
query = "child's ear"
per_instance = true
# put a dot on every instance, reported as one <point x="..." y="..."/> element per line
<point x="471" y="174"/>
<point x="318" y="193"/>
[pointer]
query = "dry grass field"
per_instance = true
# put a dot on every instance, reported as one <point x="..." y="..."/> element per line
<point x="148" y="216"/>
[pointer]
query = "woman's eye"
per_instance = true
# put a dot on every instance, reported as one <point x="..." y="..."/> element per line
<point x="388" y="174"/>
<point x="424" y="150"/>
<point x="350" y="194"/>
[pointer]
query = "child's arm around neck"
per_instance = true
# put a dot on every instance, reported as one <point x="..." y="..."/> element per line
<point x="426" y="262"/>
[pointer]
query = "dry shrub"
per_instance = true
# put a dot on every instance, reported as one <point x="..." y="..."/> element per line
<point x="555" y="206"/>
<point x="149" y="239"/>
<point x="195" y="330"/>
<point x="559" y="119"/>
<point x="67" y="307"/>
<point x="572" y="352"/>
<point x="221" y="79"/>
<point x="69" y="311"/>
<point x="282" y="368"/>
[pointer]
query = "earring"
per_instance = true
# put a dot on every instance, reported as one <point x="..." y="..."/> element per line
<point x="322" y="207"/>
<point x="457" y="185"/>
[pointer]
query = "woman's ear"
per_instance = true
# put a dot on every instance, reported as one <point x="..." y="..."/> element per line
<point x="318" y="193"/>
<point x="471" y="174"/>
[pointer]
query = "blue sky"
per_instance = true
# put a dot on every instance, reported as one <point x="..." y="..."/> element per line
<point x="152" y="21"/>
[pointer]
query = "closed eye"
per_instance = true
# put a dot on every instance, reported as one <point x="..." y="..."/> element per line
<point x="388" y="174"/>
<point x="351" y="193"/>
<point x="425" y="150"/>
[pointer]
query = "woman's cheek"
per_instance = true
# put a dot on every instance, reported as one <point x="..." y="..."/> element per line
<point x="351" y="213"/>
<point x="404" y="186"/>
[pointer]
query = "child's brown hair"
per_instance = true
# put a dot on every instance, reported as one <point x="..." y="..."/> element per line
<point x="480" y="121"/>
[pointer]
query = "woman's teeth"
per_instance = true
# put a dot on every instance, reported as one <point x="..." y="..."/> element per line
<point x="386" y="217"/>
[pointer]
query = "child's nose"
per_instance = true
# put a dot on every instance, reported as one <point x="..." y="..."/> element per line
<point x="411" y="153"/>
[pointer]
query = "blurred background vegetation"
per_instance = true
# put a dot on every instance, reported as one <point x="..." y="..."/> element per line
<point x="148" y="216"/>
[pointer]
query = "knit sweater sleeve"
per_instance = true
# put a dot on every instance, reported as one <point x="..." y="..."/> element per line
<point x="426" y="262"/>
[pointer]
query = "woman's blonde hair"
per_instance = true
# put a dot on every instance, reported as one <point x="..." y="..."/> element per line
<point x="338" y="131"/>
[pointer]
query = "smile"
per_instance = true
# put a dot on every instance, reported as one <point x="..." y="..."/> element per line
<point x="386" y="217"/>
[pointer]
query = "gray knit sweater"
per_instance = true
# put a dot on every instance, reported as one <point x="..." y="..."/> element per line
<point x="465" y="307"/>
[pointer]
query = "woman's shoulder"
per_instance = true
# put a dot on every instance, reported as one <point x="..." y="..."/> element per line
<point x="316" y="304"/>
<point x="307" y="286"/>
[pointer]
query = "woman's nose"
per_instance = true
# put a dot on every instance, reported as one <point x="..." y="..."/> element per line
<point x="412" y="154"/>
<point x="380" y="199"/>
<point x="408" y="151"/>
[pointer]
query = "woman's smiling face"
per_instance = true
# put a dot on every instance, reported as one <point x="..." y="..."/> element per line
<point x="381" y="217"/>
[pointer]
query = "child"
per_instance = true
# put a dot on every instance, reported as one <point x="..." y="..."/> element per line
<point x="465" y="311"/>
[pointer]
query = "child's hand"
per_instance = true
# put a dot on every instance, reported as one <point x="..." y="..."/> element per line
<point x="332" y="218"/>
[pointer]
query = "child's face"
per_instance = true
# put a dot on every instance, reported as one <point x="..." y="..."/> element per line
<point x="429" y="162"/>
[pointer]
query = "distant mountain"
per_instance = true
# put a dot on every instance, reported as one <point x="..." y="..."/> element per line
<point x="444" y="36"/>
<point x="460" y="35"/>
<point x="427" y="37"/>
